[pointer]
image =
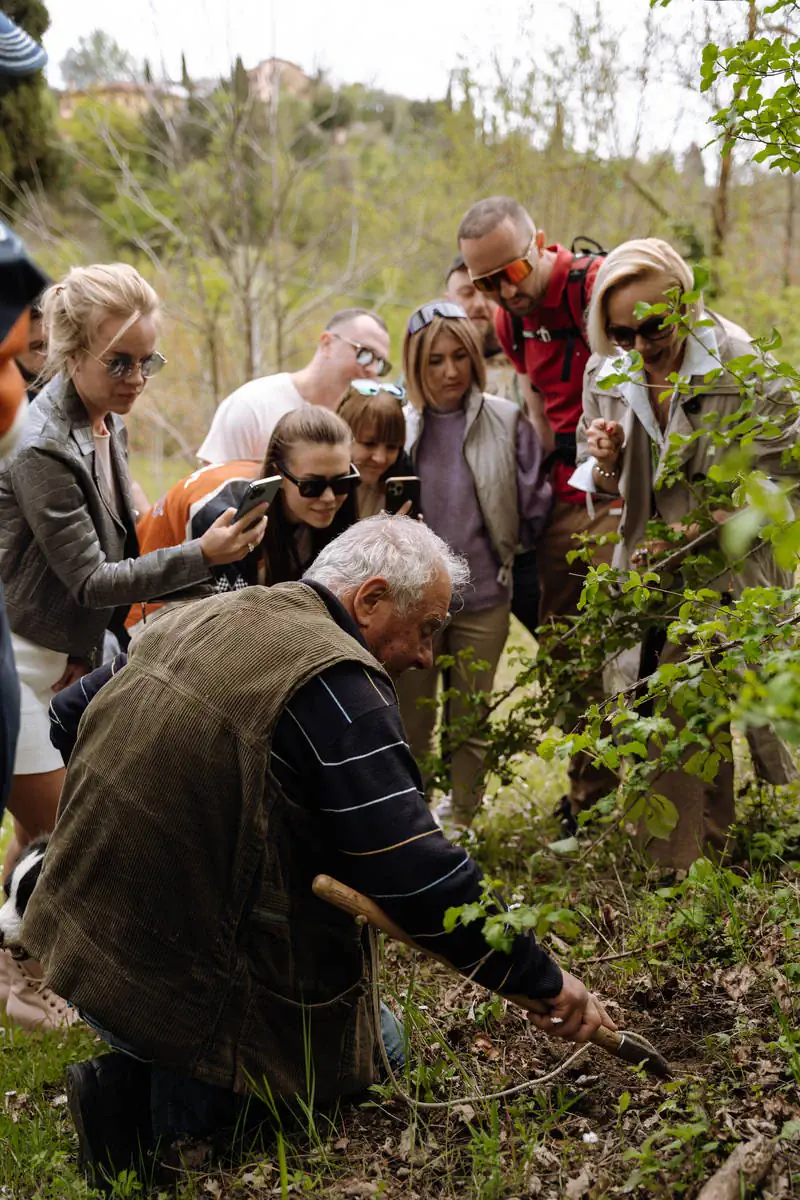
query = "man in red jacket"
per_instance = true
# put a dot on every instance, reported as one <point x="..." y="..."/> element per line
<point x="542" y="293"/>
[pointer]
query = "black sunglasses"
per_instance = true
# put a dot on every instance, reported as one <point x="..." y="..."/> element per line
<point x="314" y="487"/>
<point x="425" y="315"/>
<point x="651" y="330"/>
<point x="121" y="366"/>
<point x="437" y="308"/>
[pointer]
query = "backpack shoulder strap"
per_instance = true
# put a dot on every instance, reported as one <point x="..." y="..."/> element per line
<point x="576" y="288"/>
<point x="517" y="334"/>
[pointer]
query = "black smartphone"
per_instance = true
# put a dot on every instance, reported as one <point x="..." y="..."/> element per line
<point x="400" y="490"/>
<point x="260" y="491"/>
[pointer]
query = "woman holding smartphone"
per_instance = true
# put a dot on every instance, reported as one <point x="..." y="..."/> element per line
<point x="374" y="412"/>
<point x="480" y="467"/>
<point x="310" y="445"/>
<point x="68" y="550"/>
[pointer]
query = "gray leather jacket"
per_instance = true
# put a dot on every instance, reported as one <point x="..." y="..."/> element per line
<point x="67" y="560"/>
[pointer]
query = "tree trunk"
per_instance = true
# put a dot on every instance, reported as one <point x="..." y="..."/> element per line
<point x="720" y="212"/>
<point x="788" y="243"/>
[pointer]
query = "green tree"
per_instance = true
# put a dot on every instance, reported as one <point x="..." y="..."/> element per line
<point x="97" y="58"/>
<point x="28" y="156"/>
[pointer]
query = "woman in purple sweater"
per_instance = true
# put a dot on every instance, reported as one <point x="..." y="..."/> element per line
<point x="482" y="490"/>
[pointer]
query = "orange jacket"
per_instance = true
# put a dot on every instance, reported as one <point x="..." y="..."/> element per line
<point x="12" y="386"/>
<point x="179" y="515"/>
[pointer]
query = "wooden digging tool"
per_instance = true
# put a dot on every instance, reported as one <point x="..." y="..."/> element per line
<point x="630" y="1047"/>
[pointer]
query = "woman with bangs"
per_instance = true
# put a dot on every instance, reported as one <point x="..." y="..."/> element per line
<point x="479" y="461"/>
<point x="311" y="449"/>
<point x="374" y="412"/>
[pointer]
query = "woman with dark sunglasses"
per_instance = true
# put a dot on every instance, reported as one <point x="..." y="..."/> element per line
<point x="310" y="448"/>
<point x="68" y="550"/>
<point x="482" y="490"/>
<point x="374" y="412"/>
<point x="627" y="448"/>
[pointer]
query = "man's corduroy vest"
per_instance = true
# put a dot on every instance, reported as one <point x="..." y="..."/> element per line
<point x="175" y="903"/>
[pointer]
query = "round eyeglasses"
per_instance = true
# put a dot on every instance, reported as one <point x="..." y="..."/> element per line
<point x="122" y="366"/>
<point x="365" y="355"/>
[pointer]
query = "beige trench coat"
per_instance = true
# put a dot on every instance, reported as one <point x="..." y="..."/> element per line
<point x="629" y="405"/>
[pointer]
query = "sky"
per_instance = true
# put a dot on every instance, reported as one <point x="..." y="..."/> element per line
<point x="405" y="46"/>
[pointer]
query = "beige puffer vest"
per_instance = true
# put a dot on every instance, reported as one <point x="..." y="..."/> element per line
<point x="490" y="450"/>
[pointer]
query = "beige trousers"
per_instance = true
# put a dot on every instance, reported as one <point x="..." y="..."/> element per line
<point x="485" y="633"/>
<point x="561" y="584"/>
<point x="705" y="810"/>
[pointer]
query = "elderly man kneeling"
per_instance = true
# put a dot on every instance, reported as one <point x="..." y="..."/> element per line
<point x="252" y="741"/>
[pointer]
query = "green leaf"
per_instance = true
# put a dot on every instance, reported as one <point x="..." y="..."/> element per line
<point x="790" y="1130"/>
<point x="661" y="816"/>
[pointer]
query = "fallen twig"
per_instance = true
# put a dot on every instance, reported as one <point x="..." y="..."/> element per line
<point x="748" y="1164"/>
<point x="601" y="958"/>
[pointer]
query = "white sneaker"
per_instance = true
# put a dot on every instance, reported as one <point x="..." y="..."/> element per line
<point x="442" y="812"/>
<point x="31" y="1004"/>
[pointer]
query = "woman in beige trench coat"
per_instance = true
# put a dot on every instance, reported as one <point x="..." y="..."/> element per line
<point x="623" y="441"/>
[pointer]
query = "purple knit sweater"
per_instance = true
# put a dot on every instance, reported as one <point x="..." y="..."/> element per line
<point x="450" y="503"/>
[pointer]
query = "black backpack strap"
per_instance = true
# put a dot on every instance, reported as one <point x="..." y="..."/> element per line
<point x="517" y="335"/>
<point x="576" y="307"/>
<point x="586" y="245"/>
<point x="576" y="289"/>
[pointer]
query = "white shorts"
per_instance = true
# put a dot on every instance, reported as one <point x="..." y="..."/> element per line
<point x="38" y="669"/>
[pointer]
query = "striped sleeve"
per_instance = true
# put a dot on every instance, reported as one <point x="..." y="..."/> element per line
<point x="340" y="746"/>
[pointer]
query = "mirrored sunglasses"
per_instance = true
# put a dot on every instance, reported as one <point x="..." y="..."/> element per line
<point x="122" y="366"/>
<point x="368" y="387"/>
<point x="311" y="488"/>
<point x="437" y="308"/>
<point x="365" y="356"/>
<point x="651" y="330"/>
<point x="513" y="273"/>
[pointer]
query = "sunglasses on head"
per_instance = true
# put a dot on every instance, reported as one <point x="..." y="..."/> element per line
<point x="651" y="330"/>
<point x="368" y="387"/>
<point x="437" y="308"/>
<point x="122" y="366"/>
<point x="365" y="356"/>
<point x="311" y="488"/>
<point x="513" y="272"/>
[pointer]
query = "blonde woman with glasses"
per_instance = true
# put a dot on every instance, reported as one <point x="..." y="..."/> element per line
<point x="68" y="550"/>
<point x="624" y="450"/>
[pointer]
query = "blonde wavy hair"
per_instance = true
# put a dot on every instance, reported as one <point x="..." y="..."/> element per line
<point x="626" y="263"/>
<point x="417" y="352"/>
<point x="74" y="310"/>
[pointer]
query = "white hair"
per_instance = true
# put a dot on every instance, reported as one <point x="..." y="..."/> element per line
<point x="629" y="261"/>
<point x="404" y="552"/>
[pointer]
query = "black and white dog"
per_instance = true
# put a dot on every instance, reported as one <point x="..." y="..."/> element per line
<point x="18" y="889"/>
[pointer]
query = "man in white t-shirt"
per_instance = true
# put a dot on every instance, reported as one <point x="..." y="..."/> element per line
<point x="354" y="345"/>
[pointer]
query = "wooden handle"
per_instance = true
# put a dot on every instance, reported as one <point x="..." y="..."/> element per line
<point x="352" y="902"/>
<point x="631" y="1047"/>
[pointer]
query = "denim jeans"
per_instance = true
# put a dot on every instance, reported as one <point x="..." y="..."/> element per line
<point x="181" y="1105"/>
